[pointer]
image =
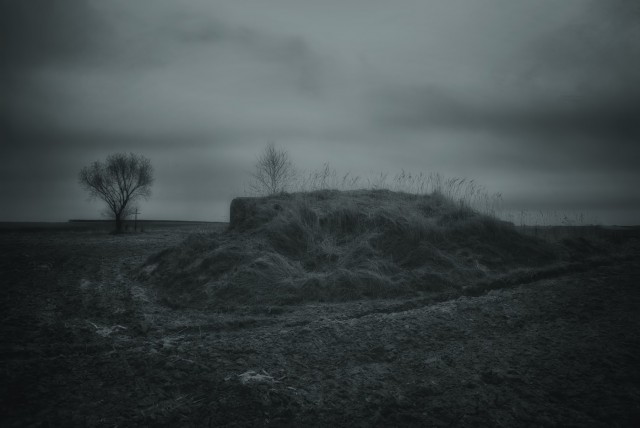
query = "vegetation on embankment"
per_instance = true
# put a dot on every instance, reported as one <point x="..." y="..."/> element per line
<point x="333" y="245"/>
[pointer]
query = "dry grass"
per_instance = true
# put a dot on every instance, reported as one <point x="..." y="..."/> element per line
<point x="333" y="245"/>
<point x="463" y="191"/>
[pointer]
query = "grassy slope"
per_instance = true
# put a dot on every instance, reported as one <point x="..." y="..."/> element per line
<point x="332" y="245"/>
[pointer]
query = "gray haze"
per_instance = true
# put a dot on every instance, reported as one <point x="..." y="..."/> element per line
<point x="538" y="99"/>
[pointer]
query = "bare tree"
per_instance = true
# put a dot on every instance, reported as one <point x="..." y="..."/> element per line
<point x="274" y="171"/>
<point x="121" y="180"/>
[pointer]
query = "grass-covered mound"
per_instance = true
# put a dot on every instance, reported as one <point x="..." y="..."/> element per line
<point x="333" y="245"/>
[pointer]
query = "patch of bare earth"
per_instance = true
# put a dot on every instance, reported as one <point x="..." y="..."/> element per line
<point x="85" y="345"/>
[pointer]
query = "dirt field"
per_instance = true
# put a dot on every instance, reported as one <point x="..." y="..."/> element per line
<point x="84" y="344"/>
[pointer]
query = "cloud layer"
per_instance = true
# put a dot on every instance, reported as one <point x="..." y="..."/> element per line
<point x="538" y="100"/>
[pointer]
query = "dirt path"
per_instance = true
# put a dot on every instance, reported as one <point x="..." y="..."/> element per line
<point x="84" y="345"/>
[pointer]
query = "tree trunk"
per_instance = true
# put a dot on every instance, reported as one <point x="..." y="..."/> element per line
<point x="118" y="223"/>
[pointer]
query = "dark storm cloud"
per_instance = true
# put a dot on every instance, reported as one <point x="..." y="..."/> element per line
<point x="76" y="63"/>
<point x="614" y="116"/>
<point x="39" y="34"/>
<point x="33" y="33"/>
<point x="55" y="140"/>
<point x="592" y="64"/>
<point x="570" y="97"/>
<point x="292" y="51"/>
<point x="580" y="78"/>
<point x="600" y="39"/>
<point x="207" y="31"/>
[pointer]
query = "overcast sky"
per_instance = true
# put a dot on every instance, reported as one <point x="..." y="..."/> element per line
<point x="538" y="99"/>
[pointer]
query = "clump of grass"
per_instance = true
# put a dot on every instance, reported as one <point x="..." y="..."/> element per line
<point x="330" y="245"/>
<point x="462" y="191"/>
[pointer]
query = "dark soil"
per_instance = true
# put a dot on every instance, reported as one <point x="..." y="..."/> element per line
<point x="83" y="344"/>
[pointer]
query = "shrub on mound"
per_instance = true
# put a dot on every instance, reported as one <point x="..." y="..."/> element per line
<point x="333" y="245"/>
